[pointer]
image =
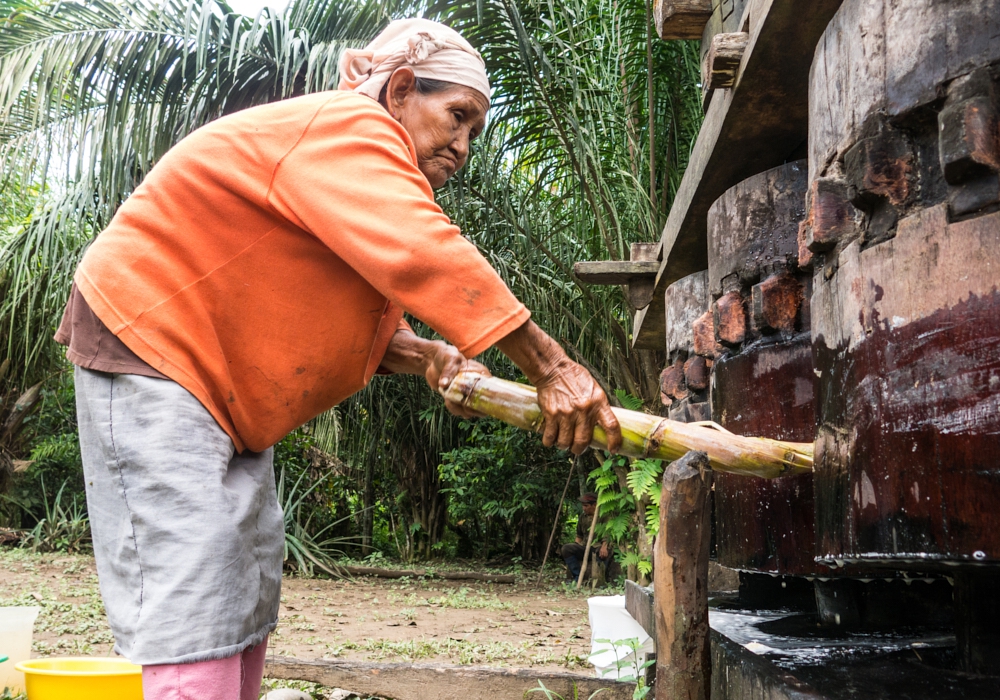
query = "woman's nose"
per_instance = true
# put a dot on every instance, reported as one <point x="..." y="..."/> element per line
<point x="460" y="147"/>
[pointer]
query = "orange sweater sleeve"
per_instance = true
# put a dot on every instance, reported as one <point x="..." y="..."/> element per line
<point x="352" y="181"/>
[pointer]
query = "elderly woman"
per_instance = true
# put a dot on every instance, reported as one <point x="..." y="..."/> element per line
<point x="257" y="277"/>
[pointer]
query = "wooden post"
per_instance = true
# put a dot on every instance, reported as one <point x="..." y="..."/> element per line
<point x="680" y="580"/>
<point x="586" y="550"/>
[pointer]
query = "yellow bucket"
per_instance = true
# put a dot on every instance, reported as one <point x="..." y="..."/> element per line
<point x="81" y="678"/>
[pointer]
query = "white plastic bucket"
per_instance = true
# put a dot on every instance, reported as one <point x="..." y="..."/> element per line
<point x="611" y="623"/>
<point x="16" y="628"/>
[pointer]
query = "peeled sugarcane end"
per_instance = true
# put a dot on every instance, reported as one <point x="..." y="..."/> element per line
<point x="461" y="387"/>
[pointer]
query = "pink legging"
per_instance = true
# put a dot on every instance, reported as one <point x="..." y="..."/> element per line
<point x="237" y="677"/>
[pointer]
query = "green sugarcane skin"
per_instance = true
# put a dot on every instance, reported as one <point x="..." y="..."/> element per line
<point x="643" y="435"/>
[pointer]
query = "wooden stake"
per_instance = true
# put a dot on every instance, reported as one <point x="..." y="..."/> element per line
<point x="586" y="550"/>
<point x="683" y="663"/>
<point x="555" y="525"/>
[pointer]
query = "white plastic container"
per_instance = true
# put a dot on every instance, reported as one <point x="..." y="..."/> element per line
<point x="612" y="625"/>
<point x="16" y="628"/>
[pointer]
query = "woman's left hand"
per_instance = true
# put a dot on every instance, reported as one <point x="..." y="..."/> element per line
<point x="436" y="360"/>
<point x="445" y="363"/>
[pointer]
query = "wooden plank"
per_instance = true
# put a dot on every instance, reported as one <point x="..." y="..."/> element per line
<point x="397" y="681"/>
<point x="759" y="124"/>
<point x="639" y="604"/>
<point x="640" y="289"/>
<point x="683" y="660"/>
<point x="615" y="271"/>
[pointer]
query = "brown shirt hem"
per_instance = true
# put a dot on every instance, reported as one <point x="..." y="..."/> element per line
<point x="89" y="343"/>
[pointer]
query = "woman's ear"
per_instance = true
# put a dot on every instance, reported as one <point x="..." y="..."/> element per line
<point x="402" y="84"/>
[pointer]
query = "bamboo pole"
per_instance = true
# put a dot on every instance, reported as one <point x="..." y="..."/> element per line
<point x="643" y="435"/>
<point x="586" y="550"/>
<point x="555" y="525"/>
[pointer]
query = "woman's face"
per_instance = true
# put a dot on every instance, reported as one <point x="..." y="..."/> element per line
<point x="441" y="124"/>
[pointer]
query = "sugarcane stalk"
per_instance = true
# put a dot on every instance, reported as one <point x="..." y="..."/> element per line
<point x="643" y="435"/>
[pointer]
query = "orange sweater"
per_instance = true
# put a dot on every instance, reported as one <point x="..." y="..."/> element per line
<point x="265" y="262"/>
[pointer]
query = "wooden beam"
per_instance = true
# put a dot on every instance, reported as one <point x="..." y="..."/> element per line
<point x="439" y="681"/>
<point x="639" y="604"/>
<point x="758" y="124"/>
<point x="681" y="19"/>
<point x="615" y="271"/>
<point x="640" y="289"/>
<point x="683" y="660"/>
<point x="723" y="60"/>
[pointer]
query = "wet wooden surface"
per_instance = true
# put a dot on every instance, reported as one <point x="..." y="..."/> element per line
<point x="763" y="384"/>
<point x="907" y="341"/>
<point x="903" y="160"/>
<point x="767" y="525"/>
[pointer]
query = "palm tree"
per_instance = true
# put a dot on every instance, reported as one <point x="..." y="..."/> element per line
<point x="93" y="92"/>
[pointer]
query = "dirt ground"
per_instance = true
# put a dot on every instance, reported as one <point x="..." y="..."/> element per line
<point x="421" y="620"/>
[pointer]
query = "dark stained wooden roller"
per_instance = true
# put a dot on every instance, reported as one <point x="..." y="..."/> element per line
<point x="904" y="230"/>
<point x="763" y="382"/>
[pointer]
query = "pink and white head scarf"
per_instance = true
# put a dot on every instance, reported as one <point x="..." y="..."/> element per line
<point x="430" y="49"/>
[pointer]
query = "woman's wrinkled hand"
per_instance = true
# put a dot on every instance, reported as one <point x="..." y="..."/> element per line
<point x="572" y="404"/>
<point x="443" y="364"/>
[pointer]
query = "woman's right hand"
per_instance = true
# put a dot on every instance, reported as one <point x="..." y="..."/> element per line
<point x="572" y="402"/>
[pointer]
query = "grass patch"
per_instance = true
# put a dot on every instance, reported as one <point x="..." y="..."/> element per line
<point x="460" y="651"/>
<point x="84" y="619"/>
<point x="462" y="599"/>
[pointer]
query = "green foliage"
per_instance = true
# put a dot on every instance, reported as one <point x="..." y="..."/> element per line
<point x="51" y="447"/>
<point x="632" y="403"/>
<point x="64" y="527"/>
<point x="645" y="480"/>
<point x="636" y="669"/>
<point x="616" y="506"/>
<point x="312" y="540"/>
<point x="499" y="480"/>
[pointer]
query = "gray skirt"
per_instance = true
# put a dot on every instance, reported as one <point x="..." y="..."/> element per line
<point x="188" y="535"/>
